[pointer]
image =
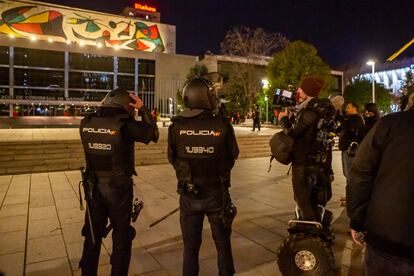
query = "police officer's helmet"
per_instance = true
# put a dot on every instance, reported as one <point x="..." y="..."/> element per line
<point x="118" y="98"/>
<point x="199" y="93"/>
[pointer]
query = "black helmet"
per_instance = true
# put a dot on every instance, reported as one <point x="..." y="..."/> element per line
<point x="199" y="93"/>
<point x="118" y="98"/>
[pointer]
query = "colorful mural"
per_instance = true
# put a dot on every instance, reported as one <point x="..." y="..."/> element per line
<point x="85" y="28"/>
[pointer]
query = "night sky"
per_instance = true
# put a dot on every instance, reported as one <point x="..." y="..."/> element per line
<point x="345" y="32"/>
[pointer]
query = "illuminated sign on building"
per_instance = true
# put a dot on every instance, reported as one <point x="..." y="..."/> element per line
<point x="138" y="6"/>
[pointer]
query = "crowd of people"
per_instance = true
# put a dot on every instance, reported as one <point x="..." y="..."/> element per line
<point x="376" y="157"/>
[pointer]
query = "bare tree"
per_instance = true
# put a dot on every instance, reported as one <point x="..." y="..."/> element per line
<point x="249" y="50"/>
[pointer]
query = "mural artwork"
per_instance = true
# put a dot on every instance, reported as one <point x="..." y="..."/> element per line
<point x="43" y="22"/>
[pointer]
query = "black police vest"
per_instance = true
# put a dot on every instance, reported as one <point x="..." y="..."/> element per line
<point x="105" y="149"/>
<point x="200" y="139"/>
<point x="201" y="143"/>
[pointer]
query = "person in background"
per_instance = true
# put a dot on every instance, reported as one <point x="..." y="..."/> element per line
<point x="154" y="114"/>
<point x="256" y="118"/>
<point x="371" y="116"/>
<point x="351" y="135"/>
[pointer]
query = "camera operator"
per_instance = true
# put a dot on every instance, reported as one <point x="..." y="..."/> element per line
<point x="202" y="148"/>
<point x="311" y="159"/>
<point x="108" y="138"/>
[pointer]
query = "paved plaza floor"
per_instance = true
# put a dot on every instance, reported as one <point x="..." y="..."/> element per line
<point x="40" y="223"/>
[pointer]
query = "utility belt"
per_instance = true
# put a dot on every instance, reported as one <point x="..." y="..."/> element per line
<point x="188" y="188"/>
<point x="224" y="215"/>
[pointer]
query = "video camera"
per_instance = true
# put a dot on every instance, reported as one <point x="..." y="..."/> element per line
<point x="284" y="98"/>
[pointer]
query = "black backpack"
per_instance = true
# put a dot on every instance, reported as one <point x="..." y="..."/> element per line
<point x="281" y="147"/>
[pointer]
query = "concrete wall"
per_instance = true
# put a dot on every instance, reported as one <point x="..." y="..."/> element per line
<point x="171" y="72"/>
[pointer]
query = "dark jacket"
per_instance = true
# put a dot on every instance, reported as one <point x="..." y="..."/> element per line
<point x="380" y="194"/>
<point x="352" y="130"/>
<point x="369" y="123"/>
<point x="304" y="134"/>
<point x="188" y="138"/>
<point x="113" y="152"/>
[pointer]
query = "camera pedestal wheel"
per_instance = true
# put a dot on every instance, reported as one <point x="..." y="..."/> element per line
<point x="305" y="260"/>
<point x="305" y="254"/>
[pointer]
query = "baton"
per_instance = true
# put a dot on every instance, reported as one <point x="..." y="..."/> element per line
<point x="290" y="168"/>
<point x="155" y="222"/>
<point x="87" y="205"/>
<point x="90" y="223"/>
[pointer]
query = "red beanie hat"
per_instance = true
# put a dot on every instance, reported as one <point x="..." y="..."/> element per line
<point x="312" y="86"/>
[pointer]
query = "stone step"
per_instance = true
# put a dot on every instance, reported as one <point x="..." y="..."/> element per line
<point x="42" y="156"/>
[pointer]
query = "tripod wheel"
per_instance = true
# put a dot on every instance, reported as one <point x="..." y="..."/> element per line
<point x="305" y="254"/>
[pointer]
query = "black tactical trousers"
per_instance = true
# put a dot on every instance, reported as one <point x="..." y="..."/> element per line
<point x="311" y="187"/>
<point x="192" y="212"/>
<point x="113" y="201"/>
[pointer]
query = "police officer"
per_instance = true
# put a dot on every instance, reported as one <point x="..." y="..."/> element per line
<point x="108" y="138"/>
<point x="202" y="148"/>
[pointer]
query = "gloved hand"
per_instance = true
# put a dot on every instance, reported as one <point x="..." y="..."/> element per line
<point x="285" y="123"/>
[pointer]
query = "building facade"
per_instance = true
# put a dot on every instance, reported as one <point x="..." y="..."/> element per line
<point x="57" y="61"/>
<point x="390" y="74"/>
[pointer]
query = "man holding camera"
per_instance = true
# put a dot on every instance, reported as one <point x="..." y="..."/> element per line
<point x="108" y="138"/>
<point x="311" y="159"/>
<point x="202" y="148"/>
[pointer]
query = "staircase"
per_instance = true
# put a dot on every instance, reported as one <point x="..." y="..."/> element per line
<point x="45" y="156"/>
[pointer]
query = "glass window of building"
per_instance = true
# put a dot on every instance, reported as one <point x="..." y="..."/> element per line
<point x="4" y="76"/>
<point x="146" y="84"/>
<point x="87" y="80"/>
<point x="4" y="55"/>
<point x="38" y="58"/>
<point x="337" y="83"/>
<point x="86" y="95"/>
<point x="36" y="93"/>
<point x="4" y="109"/>
<point x="126" y="65"/>
<point x="91" y="62"/>
<point x="40" y="78"/>
<point x="146" y="67"/>
<point x="126" y="82"/>
<point x="4" y="92"/>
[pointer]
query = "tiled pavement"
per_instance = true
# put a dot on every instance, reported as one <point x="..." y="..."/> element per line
<point x="40" y="223"/>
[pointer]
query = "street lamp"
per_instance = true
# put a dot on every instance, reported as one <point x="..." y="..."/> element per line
<point x="372" y="63"/>
<point x="265" y="83"/>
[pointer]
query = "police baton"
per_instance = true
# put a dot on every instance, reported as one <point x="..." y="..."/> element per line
<point x="155" y="222"/>
<point x="84" y="183"/>
<point x="290" y="168"/>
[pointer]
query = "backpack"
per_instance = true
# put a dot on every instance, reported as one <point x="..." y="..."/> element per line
<point x="327" y="128"/>
<point x="281" y="147"/>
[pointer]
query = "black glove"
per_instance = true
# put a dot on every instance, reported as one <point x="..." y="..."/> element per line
<point x="285" y="122"/>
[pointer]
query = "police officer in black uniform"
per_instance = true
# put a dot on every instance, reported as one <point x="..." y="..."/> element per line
<point x="202" y="148"/>
<point x="108" y="138"/>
